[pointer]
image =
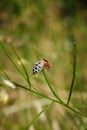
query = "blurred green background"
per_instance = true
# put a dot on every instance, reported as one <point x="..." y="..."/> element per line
<point x="46" y="25"/>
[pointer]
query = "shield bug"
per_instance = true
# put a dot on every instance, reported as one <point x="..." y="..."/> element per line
<point x="40" y="65"/>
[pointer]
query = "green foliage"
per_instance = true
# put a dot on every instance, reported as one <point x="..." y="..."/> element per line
<point x="32" y="30"/>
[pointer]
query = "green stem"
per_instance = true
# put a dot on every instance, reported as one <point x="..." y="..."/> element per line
<point x="46" y="79"/>
<point x="42" y="95"/>
<point x="12" y="61"/>
<point x="24" y="68"/>
<point x="38" y="115"/>
<point x="74" y="73"/>
<point x="51" y="88"/>
<point x="49" y="98"/>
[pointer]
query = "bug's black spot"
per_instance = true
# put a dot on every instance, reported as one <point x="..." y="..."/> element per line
<point x="36" y="64"/>
<point x="39" y="66"/>
<point x="35" y="68"/>
<point x="36" y="71"/>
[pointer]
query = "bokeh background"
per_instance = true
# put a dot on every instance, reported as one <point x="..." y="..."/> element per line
<point x="47" y="26"/>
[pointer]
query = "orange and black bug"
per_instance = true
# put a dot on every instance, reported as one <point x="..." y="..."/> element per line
<point x="40" y="65"/>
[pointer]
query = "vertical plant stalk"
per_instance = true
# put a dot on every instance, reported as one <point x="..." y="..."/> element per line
<point x="74" y="73"/>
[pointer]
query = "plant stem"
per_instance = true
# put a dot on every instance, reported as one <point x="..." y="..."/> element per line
<point x="24" y="68"/>
<point x="51" y="88"/>
<point x="14" y="64"/>
<point x="38" y="115"/>
<point x="47" y="80"/>
<point x="74" y="72"/>
<point x="12" y="61"/>
<point x="50" y="98"/>
<point x="42" y="95"/>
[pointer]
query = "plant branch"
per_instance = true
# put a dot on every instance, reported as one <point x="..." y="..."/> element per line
<point x="49" y="98"/>
<point x="44" y="96"/>
<point x="47" y="80"/>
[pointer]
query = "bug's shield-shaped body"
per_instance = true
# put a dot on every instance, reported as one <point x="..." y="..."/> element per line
<point x="38" y="67"/>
